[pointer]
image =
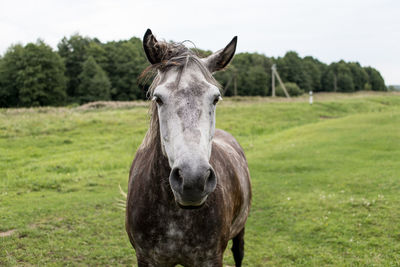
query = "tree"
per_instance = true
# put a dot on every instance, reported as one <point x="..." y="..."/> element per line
<point x="328" y="81"/>
<point x="252" y="74"/>
<point x="32" y="76"/>
<point x="314" y="69"/>
<point x="292" y="69"/>
<point x="94" y="84"/>
<point x="126" y="60"/>
<point x="345" y="82"/>
<point x="96" y="50"/>
<point x="10" y="66"/>
<point x="74" y="53"/>
<point x="258" y="81"/>
<point x="338" y="78"/>
<point x="359" y="75"/>
<point x="375" y="79"/>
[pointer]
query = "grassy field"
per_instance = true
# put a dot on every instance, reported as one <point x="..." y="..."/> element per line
<point x="326" y="181"/>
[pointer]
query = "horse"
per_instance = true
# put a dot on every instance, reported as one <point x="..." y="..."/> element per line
<point x="189" y="189"/>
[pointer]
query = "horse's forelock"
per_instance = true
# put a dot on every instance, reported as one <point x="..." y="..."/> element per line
<point x="174" y="55"/>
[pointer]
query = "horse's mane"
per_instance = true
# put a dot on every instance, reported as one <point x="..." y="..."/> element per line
<point x="173" y="56"/>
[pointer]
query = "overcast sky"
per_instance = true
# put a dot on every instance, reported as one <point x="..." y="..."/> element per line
<point x="367" y="31"/>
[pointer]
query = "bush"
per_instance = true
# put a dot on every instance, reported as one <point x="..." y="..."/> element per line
<point x="292" y="88"/>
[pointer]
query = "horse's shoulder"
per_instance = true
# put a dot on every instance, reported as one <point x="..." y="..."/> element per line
<point x="142" y="168"/>
<point x="230" y="164"/>
<point x="226" y="143"/>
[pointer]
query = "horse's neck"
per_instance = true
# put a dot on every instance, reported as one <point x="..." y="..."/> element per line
<point x="159" y="165"/>
<point x="153" y="163"/>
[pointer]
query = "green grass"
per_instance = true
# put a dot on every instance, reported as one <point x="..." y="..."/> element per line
<point x="326" y="181"/>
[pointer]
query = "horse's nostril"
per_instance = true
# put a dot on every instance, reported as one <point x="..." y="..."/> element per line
<point x="211" y="180"/>
<point x="180" y="176"/>
<point x="176" y="178"/>
<point x="207" y="174"/>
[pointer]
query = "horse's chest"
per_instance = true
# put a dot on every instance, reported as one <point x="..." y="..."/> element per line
<point x="175" y="233"/>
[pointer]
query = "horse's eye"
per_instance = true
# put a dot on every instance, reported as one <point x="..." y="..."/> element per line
<point x="158" y="100"/>
<point x="216" y="99"/>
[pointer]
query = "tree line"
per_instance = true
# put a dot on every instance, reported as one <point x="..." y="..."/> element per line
<point x="250" y="74"/>
<point x="84" y="69"/>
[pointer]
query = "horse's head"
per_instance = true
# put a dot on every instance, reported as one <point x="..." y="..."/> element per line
<point x="186" y="95"/>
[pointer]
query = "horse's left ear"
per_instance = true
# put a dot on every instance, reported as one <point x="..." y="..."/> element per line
<point x="220" y="59"/>
<point x="151" y="48"/>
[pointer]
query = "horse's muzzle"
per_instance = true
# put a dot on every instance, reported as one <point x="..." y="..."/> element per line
<point x="191" y="184"/>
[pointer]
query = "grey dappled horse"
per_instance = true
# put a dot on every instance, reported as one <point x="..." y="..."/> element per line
<point x="189" y="187"/>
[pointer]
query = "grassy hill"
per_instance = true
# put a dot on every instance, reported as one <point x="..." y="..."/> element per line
<point x="325" y="181"/>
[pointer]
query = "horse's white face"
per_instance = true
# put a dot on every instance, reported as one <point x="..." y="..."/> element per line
<point x="186" y="111"/>
<point x="186" y="100"/>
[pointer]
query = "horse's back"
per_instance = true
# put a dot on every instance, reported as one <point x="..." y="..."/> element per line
<point x="229" y="161"/>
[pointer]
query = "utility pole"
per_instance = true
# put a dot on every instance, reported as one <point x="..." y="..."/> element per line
<point x="275" y="73"/>
<point x="273" y="80"/>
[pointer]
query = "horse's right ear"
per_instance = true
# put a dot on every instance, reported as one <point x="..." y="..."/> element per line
<point x="221" y="58"/>
<point x="151" y="48"/>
